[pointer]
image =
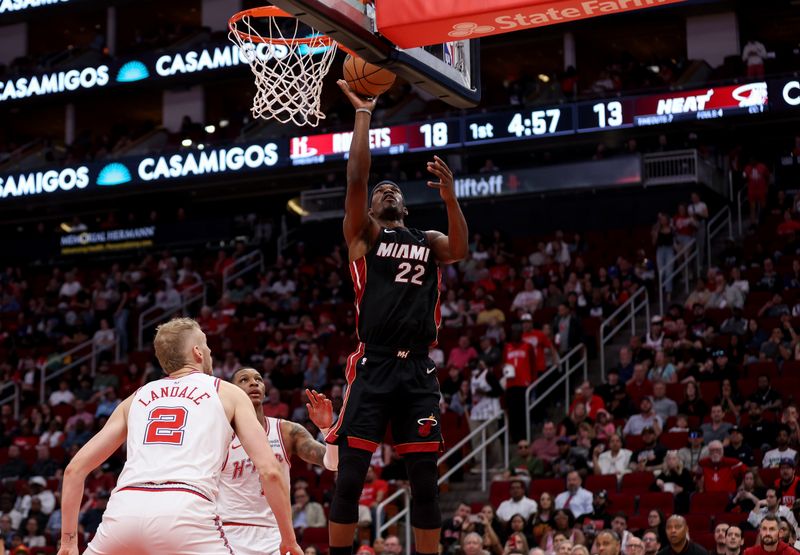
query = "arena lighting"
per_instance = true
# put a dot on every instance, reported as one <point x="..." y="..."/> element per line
<point x="186" y="142"/>
<point x="544" y="78"/>
<point x="294" y="206"/>
<point x="210" y="128"/>
<point x="65" y="227"/>
<point x="201" y="146"/>
<point x="223" y="123"/>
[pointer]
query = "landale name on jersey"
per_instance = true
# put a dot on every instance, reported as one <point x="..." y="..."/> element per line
<point x="175" y="391"/>
<point x="404" y="250"/>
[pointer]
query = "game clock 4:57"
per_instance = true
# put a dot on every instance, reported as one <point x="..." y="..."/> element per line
<point x="522" y="124"/>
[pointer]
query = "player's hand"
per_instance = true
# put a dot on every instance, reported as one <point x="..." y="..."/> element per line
<point x="288" y="549"/>
<point x="320" y="409"/>
<point x="71" y="549"/>
<point x="358" y="102"/>
<point x="445" y="184"/>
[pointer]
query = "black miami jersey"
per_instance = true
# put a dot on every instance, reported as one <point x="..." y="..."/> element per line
<point x="397" y="291"/>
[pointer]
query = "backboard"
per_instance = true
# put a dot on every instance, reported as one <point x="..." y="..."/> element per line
<point x="449" y="71"/>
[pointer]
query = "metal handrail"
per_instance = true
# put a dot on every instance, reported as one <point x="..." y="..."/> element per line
<point x="634" y="310"/>
<point x="669" y="168"/>
<point x="739" y="203"/>
<point x="13" y="398"/>
<point x="563" y="367"/>
<point x="254" y="259"/>
<point x="685" y="255"/>
<point x="405" y="514"/>
<point x="480" y="450"/>
<point x="90" y="355"/>
<point x="722" y="218"/>
<point x="156" y="314"/>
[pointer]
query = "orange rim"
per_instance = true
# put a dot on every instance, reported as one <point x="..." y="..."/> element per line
<point x="272" y="11"/>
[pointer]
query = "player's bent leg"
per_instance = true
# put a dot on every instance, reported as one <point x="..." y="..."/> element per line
<point x="426" y="515"/>
<point x="353" y="465"/>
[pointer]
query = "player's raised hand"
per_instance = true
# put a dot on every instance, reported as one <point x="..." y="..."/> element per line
<point x="358" y="102"/>
<point x="320" y="409"/>
<point x="445" y="184"/>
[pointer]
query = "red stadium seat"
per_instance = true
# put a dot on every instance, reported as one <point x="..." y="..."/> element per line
<point x="733" y="519"/>
<point x="317" y="537"/>
<point x="664" y="502"/>
<point x="553" y="486"/>
<point x="709" y="503"/>
<point x="706" y="539"/>
<point x="674" y="440"/>
<point x="698" y="522"/>
<point x="765" y="367"/>
<point x="637" y="482"/>
<point x="768" y="475"/>
<point x="634" y="443"/>
<point x="620" y="502"/>
<point x="499" y="492"/>
<point x="596" y="483"/>
<point x="637" y="522"/>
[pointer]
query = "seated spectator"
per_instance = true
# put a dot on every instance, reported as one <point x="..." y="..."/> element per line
<point x="62" y="394"/>
<point x="675" y="479"/>
<point x="771" y="506"/>
<point x="693" y="453"/>
<point x="569" y="426"/>
<point x="529" y="299"/>
<point x="663" y="406"/>
<point x="728" y="398"/>
<point x="736" y="324"/>
<point x="77" y="436"/>
<point x="604" y="426"/>
<point x="614" y="460"/>
<point x="774" y="308"/>
<point x="564" y="524"/>
<point x="104" y="378"/>
<point x="472" y="544"/>
<point x="651" y="455"/>
<point x="568" y="461"/>
<point x="593" y="402"/>
<point x="787" y="486"/>
<point x="543" y="520"/>
<point x="717" y="429"/>
<point x="577" y="499"/>
<point x="33" y="534"/>
<point x="307" y="513"/>
<point x="38" y="491"/>
<point x="638" y="386"/>
<point x="775" y="348"/>
<point x="624" y="369"/>
<point x="693" y="404"/>
<point x="764" y="396"/>
<point x="14" y="467"/>
<point x="774" y="457"/>
<point x="108" y="402"/>
<point x="678" y="538"/>
<point x="518" y="503"/>
<point x="717" y="473"/>
<point x="699" y="295"/>
<point x="619" y="524"/>
<point x="647" y="418"/>
<point x="749" y="494"/>
<point x="662" y="370"/>
<point x="608" y="542"/>
<point x="463" y="354"/>
<point x="568" y="329"/>
<point x="599" y="518"/>
<point x="759" y="432"/>
<point x="738" y="449"/>
<point x="451" y="528"/>
<point x="545" y="446"/>
<point x="44" y="465"/>
<point x="91" y="518"/>
<point x="524" y="464"/>
<point x="652" y="545"/>
<point x="273" y="406"/>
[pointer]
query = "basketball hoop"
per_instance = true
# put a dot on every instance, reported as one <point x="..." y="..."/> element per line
<point x="289" y="69"/>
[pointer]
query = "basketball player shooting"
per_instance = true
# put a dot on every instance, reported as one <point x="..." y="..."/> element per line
<point x="178" y="430"/>
<point x="391" y="379"/>
<point x="248" y="521"/>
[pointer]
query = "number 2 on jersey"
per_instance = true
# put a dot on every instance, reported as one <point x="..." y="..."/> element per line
<point x="166" y="426"/>
<point x="405" y="268"/>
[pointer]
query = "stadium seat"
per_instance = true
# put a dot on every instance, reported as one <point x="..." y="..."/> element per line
<point x="636" y="482"/>
<point x="553" y="486"/>
<point x="709" y="503"/>
<point x="634" y="443"/>
<point x="734" y="519"/>
<point x="637" y="522"/>
<point x="317" y="537"/>
<point x="698" y="522"/>
<point x="596" y="483"/>
<point x="762" y="367"/>
<point x="664" y="502"/>
<point x="768" y="475"/>
<point x="499" y="492"/>
<point x="621" y="502"/>
<point x="706" y="539"/>
<point x="674" y="440"/>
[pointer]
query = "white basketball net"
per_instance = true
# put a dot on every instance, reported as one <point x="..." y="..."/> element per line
<point x="288" y="73"/>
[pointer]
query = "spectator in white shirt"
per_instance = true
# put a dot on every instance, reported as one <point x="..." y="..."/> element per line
<point x="284" y="286"/>
<point x="167" y="296"/>
<point x="771" y="506"/>
<point x="753" y="55"/>
<point x="576" y="498"/>
<point x="615" y="460"/>
<point x="774" y="457"/>
<point x="647" y="418"/>
<point x="62" y="394"/>
<point x="103" y="338"/>
<point x="70" y="287"/>
<point x="37" y="486"/>
<point x="519" y="503"/>
<point x="559" y="250"/>
<point x="529" y="299"/>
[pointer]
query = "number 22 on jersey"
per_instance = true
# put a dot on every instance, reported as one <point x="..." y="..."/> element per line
<point x="405" y="268"/>
<point x="166" y="426"/>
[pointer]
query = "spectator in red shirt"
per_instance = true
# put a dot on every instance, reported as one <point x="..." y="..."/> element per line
<point x="540" y="340"/>
<point x="374" y="492"/>
<point x="518" y="363"/>
<point x="788" y="225"/>
<point x="787" y="486"/>
<point x="462" y="354"/>
<point x="274" y="407"/>
<point x="594" y="403"/>
<point x="719" y="473"/>
<point x="769" y="532"/>
<point x="757" y="176"/>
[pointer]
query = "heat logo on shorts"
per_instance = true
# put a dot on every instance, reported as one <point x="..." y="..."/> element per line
<point x="425" y="425"/>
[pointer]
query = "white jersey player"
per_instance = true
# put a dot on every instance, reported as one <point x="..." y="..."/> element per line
<point x="177" y="430"/>
<point x="247" y="519"/>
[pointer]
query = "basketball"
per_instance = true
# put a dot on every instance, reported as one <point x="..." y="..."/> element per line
<point x="366" y="79"/>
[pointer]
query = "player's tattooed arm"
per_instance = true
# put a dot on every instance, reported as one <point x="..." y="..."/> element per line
<point x="303" y="445"/>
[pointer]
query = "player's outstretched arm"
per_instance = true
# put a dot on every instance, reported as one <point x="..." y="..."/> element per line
<point x="250" y="432"/>
<point x="455" y="245"/>
<point x="301" y="443"/>
<point x="90" y="456"/>
<point x="356" y="213"/>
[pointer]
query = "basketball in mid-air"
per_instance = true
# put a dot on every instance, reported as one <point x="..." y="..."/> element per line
<point x="366" y="79"/>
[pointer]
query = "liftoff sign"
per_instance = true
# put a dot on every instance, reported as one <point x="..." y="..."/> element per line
<point x="421" y="22"/>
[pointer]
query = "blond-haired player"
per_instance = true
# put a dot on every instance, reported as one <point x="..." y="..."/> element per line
<point x="247" y="519"/>
<point x="177" y="430"/>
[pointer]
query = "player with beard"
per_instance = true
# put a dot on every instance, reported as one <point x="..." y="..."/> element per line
<point x="769" y="532"/>
<point x="247" y="519"/>
<point x="396" y="275"/>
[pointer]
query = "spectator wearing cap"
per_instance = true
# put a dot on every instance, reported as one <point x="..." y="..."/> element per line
<point x="716" y="473"/>
<point x="787" y="485"/>
<point x="647" y="418"/>
<point x="568" y="460"/>
<point x="38" y="490"/>
<point x="614" y="460"/>
<point x="717" y="429"/>
<point x="599" y="518"/>
<point x="694" y="451"/>
<point x="678" y="538"/>
<point x="575" y="498"/>
<point x="770" y="505"/>
<point x="651" y="455"/>
<point x="663" y="406"/>
<point x="737" y="448"/>
<point x="769" y="536"/>
<point x="517" y="504"/>
<point x="540" y="339"/>
<point x="546" y="445"/>
<point x="588" y="397"/>
<point x="774" y="457"/>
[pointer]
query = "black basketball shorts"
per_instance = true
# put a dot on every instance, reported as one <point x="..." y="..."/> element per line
<point x="387" y="386"/>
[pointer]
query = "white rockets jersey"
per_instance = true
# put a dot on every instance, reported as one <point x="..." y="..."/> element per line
<point x="241" y="499"/>
<point x="177" y="433"/>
